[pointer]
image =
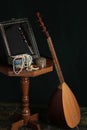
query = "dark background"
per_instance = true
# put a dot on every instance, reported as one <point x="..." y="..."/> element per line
<point x="67" y="25"/>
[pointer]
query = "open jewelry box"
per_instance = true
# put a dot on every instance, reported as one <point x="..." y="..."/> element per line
<point x="16" y="38"/>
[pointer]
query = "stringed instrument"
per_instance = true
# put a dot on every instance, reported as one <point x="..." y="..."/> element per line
<point x="63" y="108"/>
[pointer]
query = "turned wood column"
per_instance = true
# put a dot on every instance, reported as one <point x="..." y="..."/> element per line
<point x="25" y="99"/>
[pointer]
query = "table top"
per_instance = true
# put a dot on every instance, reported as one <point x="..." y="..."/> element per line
<point x="8" y="70"/>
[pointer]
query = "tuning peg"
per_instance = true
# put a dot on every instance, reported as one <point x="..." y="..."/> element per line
<point x="38" y="13"/>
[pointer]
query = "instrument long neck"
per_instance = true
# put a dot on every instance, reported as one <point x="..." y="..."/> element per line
<point x="49" y="41"/>
<point x="55" y="59"/>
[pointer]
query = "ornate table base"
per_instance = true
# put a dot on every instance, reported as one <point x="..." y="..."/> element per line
<point x="26" y="119"/>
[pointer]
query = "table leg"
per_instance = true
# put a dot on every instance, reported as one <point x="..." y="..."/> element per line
<point x="27" y="118"/>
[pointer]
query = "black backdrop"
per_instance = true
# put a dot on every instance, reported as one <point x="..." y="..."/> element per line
<point x="67" y="25"/>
